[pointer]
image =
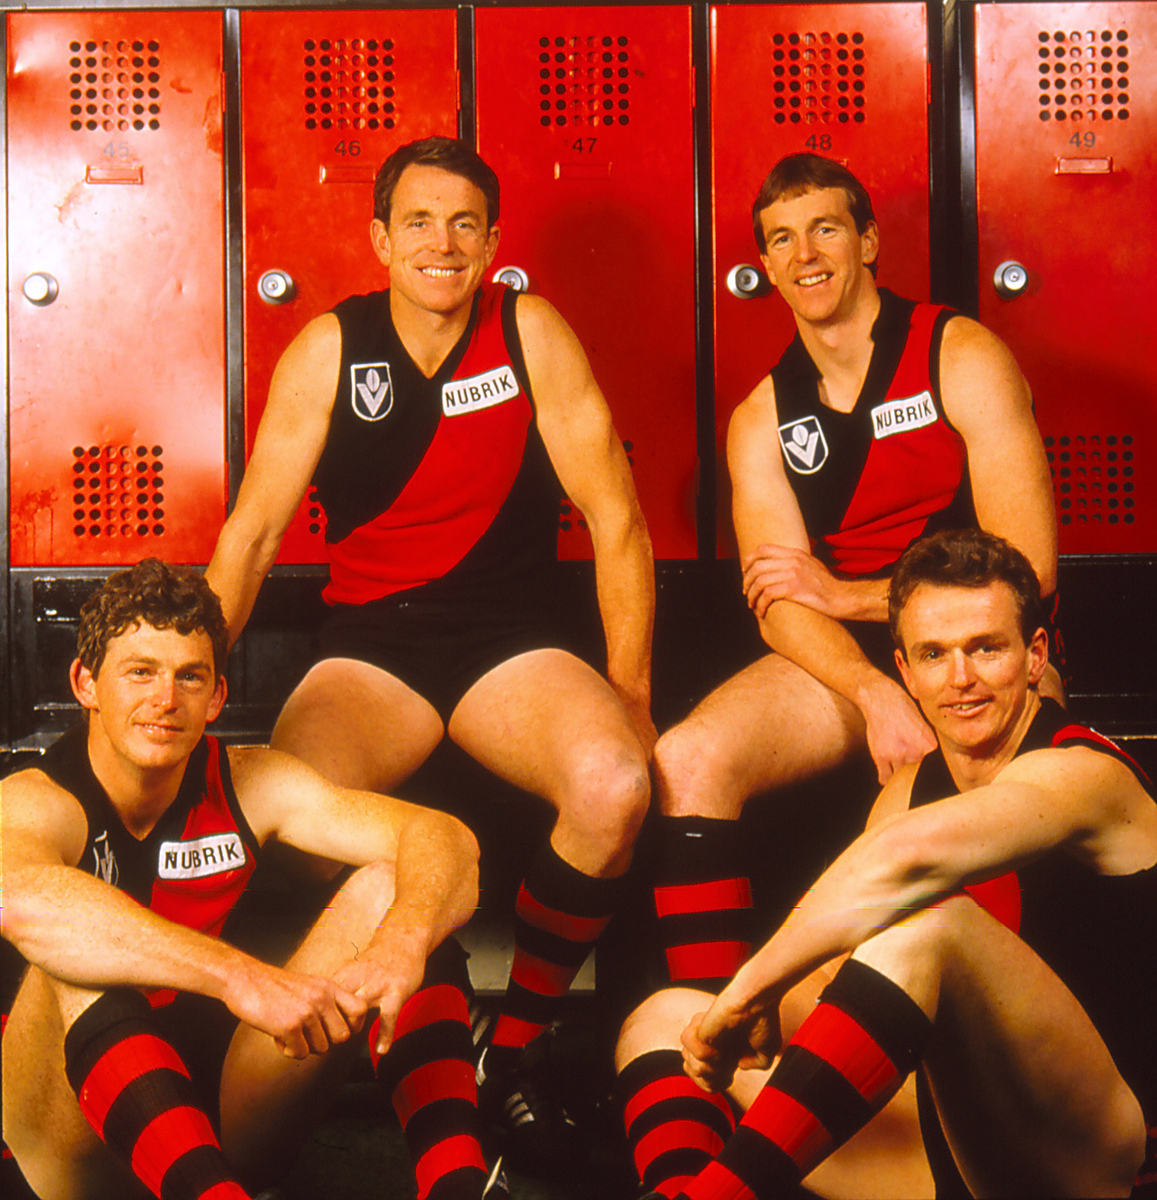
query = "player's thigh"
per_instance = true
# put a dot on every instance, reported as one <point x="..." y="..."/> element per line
<point x="769" y="725"/>
<point x="1028" y="1094"/>
<point x="357" y="724"/>
<point x="552" y="725"/>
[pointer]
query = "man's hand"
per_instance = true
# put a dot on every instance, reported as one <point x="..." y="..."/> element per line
<point x="897" y="732"/>
<point x="384" y="987"/>
<point x="302" y="1013"/>
<point x="729" y="1037"/>
<point x="773" y="573"/>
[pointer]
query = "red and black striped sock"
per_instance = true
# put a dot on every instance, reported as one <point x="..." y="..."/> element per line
<point x="429" y="1075"/>
<point x="674" y="1128"/>
<point x="702" y="899"/>
<point x="558" y="917"/>
<point x="135" y="1091"/>
<point x="848" y="1059"/>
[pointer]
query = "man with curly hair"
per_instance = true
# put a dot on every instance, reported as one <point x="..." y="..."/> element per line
<point x="123" y="853"/>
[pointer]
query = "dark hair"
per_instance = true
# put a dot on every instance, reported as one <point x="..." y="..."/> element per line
<point x="448" y="154"/>
<point x="153" y="593"/>
<point x="969" y="558"/>
<point x="799" y="173"/>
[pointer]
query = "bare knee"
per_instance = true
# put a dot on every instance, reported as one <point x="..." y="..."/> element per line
<point x="605" y="798"/>
<point x="658" y="1023"/>
<point x="696" y="773"/>
<point x="1124" y="1141"/>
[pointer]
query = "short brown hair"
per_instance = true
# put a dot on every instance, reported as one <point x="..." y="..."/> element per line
<point x="448" y="154"/>
<point x="970" y="558"/>
<point x="800" y="173"/>
<point x="152" y="593"/>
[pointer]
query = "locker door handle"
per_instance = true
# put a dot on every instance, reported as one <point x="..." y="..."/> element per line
<point x="40" y="289"/>
<point x="747" y="282"/>
<point x="515" y="278"/>
<point x="1010" y="279"/>
<point x="276" y="287"/>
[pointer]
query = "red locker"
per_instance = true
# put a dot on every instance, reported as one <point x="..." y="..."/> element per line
<point x="325" y="97"/>
<point x="849" y="81"/>
<point x="1066" y="146"/>
<point x="116" y="286"/>
<point x="586" y="115"/>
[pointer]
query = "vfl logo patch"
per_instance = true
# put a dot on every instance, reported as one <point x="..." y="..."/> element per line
<point x="898" y="416"/>
<point x="479" y="391"/>
<point x="804" y="445"/>
<point x="372" y="390"/>
<point x="106" y="862"/>
<point x="204" y="856"/>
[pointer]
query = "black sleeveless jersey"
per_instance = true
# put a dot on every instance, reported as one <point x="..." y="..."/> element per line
<point x="439" y="484"/>
<point x="193" y="866"/>
<point x="872" y="481"/>
<point x="1096" y="932"/>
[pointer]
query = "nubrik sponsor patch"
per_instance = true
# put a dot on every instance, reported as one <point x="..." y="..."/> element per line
<point x="479" y="391"/>
<point x="898" y="416"/>
<point x="197" y="858"/>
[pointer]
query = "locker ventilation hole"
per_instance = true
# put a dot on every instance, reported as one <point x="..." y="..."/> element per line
<point x="115" y="86"/>
<point x="316" y="515"/>
<point x="349" y="83"/>
<point x="1093" y="477"/>
<point x="118" y="491"/>
<point x="584" y="81"/>
<point x="1084" y="75"/>
<point x="819" y="77"/>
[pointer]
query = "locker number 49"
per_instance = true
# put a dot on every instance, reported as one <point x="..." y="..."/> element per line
<point x="1083" y="141"/>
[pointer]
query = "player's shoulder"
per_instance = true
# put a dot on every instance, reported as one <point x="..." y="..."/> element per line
<point x="756" y="414"/>
<point x="539" y="321"/>
<point x="35" y="804"/>
<point x="966" y="341"/>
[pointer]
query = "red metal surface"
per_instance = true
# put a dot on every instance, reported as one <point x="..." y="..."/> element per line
<point x="784" y="79"/>
<point x="309" y="187"/>
<point x="598" y="208"/>
<point x="117" y="410"/>
<point x="1082" y="328"/>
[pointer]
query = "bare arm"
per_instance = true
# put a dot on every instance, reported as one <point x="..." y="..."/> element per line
<point x="289" y="443"/>
<point x="766" y="514"/>
<point x="576" y="427"/>
<point x="83" y="931"/>
<point x="988" y="401"/>
<point x="433" y="856"/>
<point x="1085" y="803"/>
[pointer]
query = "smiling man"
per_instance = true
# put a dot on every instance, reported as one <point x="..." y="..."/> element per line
<point x="123" y="853"/>
<point x="437" y="419"/>
<point x="884" y="420"/>
<point x="999" y="914"/>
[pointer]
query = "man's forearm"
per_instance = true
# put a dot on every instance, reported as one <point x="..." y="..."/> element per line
<point x="822" y="647"/>
<point x="239" y="565"/>
<point x="625" y="581"/>
<point x="83" y="931"/>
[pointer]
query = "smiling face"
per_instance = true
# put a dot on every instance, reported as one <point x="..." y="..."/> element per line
<point x="815" y="256"/>
<point x="151" y="699"/>
<point x="438" y="243"/>
<point x="966" y="664"/>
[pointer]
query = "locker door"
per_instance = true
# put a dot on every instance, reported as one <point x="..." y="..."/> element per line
<point x="1066" y="146"/>
<point x="848" y="81"/>
<point x="585" y="114"/>
<point x="325" y="97"/>
<point x="116" y="286"/>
